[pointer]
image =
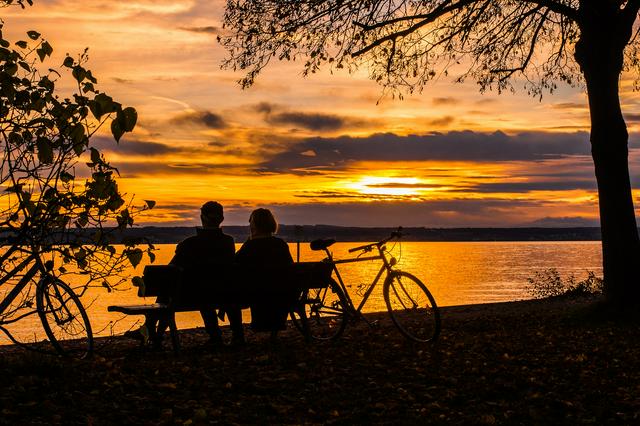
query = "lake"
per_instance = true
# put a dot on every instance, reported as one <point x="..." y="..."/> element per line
<point x="456" y="273"/>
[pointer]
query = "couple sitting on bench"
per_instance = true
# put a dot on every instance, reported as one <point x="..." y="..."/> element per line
<point x="201" y="257"/>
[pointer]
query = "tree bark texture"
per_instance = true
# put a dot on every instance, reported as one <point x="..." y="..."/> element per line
<point x="599" y="53"/>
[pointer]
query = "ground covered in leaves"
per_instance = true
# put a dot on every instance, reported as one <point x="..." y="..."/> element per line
<point x="558" y="361"/>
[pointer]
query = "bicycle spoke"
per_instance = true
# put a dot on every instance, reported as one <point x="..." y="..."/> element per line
<point x="411" y="307"/>
<point x="323" y="316"/>
<point x="64" y="319"/>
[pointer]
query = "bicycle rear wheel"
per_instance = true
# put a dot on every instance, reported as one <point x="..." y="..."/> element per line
<point x="64" y="319"/>
<point x="322" y="314"/>
<point x="411" y="307"/>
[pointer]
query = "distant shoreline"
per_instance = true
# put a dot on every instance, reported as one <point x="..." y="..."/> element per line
<point x="305" y="233"/>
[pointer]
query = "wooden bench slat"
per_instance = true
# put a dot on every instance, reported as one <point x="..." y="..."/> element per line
<point x="138" y="309"/>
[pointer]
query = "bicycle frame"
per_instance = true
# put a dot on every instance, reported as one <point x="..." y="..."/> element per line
<point x="17" y="289"/>
<point x="386" y="266"/>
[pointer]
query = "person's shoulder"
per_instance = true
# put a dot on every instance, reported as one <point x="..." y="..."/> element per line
<point x="228" y="238"/>
<point x="187" y="242"/>
<point x="280" y="241"/>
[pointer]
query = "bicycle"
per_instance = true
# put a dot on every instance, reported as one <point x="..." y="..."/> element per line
<point x="411" y="306"/>
<point x="64" y="319"/>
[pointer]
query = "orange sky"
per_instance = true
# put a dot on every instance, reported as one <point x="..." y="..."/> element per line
<point x="320" y="149"/>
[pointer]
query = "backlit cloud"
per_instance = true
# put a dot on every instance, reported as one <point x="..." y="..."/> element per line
<point x="200" y="118"/>
<point x="279" y="115"/>
<point x="207" y="29"/>
<point x="453" y="146"/>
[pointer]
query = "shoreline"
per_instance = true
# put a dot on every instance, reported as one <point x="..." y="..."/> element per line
<point x="552" y="361"/>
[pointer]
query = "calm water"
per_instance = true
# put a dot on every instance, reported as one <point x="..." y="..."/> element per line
<point x="456" y="273"/>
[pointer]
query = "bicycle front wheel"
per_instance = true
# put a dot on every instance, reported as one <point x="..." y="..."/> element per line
<point x="322" y="312"/>
<point x="411" y="307"/>
<point x="64" y="319"/>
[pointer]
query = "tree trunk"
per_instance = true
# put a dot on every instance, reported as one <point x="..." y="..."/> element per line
<point x="600" y="55"/>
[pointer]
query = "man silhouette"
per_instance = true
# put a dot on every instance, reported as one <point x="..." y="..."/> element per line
<point x="200" y="257"/>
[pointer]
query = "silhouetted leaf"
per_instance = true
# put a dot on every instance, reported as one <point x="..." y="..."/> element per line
<point x="134" y="256"/>
<point x="45" y="152"/>
<point x="116" y="130"/>
<point x="44" y="50"/>
<point x="128" y="119"/>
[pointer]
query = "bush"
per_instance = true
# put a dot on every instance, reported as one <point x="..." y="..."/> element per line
<point x="549" y="283"/>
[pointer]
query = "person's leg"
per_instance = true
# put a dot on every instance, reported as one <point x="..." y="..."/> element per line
<point x="234" y="313"/>
<point x="210" y="320"/>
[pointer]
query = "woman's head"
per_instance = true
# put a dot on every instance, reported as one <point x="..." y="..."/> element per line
<point x="262" y="223"/>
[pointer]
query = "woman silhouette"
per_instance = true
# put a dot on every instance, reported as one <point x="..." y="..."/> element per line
<point x="264" y="252"/>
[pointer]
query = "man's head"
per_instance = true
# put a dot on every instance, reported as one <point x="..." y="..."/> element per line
<point x="211" y="214"/>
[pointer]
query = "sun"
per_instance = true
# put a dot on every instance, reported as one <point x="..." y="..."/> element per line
<point x="391" y="186"/>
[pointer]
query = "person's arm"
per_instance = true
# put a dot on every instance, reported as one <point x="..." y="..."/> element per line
<point x="179" y="256"/>
<point x="230" y="250"/>
<point x="286" y="254"/>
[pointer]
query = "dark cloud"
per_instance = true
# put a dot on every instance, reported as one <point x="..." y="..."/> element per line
<point x="133" y="147"/>
<point x="319" y="122"/>
<point x="162" y="168"/>
<point x="338" y="153"/>
<point x="122" y="80"/>
<point x="441" y="122"/>
<point x="208" y="30"/>
<point x="310" y="121"/>
<point x="521" y="187"/>
<point x="265" y="107"/>
<point x="632" y="118"/>
<point x="201" y="118"/>
<point x="569" y="106"/>
<point x="445" y="101"/>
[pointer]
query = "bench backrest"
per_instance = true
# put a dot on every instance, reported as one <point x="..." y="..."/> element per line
<point x="165" y="280"/>
<point x="160" y="280"/>
<point x="311" y="274"/>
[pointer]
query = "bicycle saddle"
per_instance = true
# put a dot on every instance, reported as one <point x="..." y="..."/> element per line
<point x="321" y="244"/>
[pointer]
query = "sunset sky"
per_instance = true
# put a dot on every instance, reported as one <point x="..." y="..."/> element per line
<point x="328" y="149"/>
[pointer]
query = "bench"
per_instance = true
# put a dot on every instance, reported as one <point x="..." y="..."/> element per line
<point x="234" y="284"/>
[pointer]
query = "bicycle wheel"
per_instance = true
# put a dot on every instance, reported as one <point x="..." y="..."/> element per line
<point x="411" y="307"/>
<point x="322" y="312"/>
<point x="64" y="319"/>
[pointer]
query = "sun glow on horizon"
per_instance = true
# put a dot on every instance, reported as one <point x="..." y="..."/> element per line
<point x="393" y="186"/>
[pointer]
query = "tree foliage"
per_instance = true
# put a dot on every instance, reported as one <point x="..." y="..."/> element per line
<point x="59" y="197"/>
<point x="499" y="44"/>
<point x="405" y="44"/>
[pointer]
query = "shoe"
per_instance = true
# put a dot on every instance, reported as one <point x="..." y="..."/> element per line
<point x="135" y="334"/>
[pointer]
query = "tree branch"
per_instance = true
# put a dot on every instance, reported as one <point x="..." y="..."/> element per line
<point x="434" y="14"/>
<point x="556" y="7"/>
<point x="532" y="45"/>
<point x="630" y="11"/>
<point x="426" y="19"/>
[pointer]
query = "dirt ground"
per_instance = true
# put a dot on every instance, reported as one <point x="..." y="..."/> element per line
<point x="557" y="361"/>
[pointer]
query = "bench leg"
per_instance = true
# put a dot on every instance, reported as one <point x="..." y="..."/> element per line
<point x="173" y="329"/>
<point x="304" y="322"/>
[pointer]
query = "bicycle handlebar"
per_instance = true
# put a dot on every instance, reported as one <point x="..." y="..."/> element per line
<point x="366" y="247"/>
